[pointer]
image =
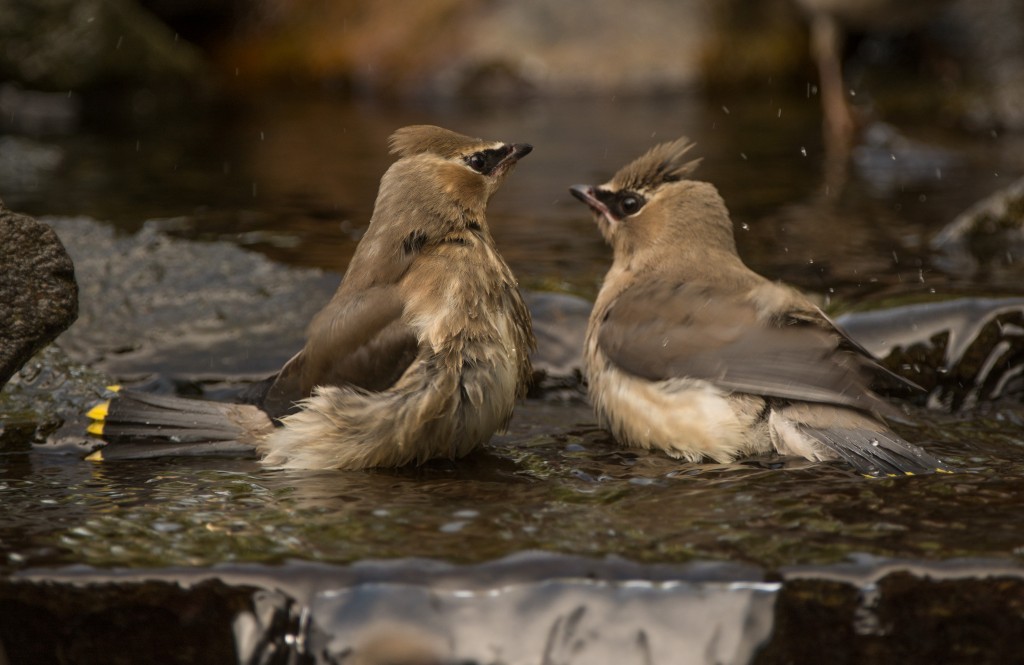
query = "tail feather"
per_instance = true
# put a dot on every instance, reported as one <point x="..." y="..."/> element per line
<point x="140" y="425"/>
<point x="876" y="453"/>
<point x="126" y="450"/>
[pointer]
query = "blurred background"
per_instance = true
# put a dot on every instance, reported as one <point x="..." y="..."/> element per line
<point x="844" y="134"/>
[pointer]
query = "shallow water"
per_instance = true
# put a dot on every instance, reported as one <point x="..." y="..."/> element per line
<point x="294" y="180"/>
<point x="553" y="482"/>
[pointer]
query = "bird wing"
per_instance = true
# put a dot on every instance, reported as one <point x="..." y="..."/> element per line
<point x="884" y="378"/>
<point x="661" y="331"/>
<point x="359" y="339"/>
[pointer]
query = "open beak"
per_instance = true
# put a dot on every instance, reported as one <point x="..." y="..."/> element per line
<point x="585" y="193"/>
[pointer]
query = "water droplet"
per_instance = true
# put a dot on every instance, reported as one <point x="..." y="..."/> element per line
<point x="745" y="226"/>
<point x="725" y="109"/>
<point x="743" y="155"/>
<point x="874" y="442"/>
<point x="803" y="151"/>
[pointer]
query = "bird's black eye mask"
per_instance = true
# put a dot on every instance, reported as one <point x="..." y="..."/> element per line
<point x="485" y="161"/>
<point x="620" y="204"/>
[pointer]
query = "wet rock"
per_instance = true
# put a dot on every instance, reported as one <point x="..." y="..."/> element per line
<point x="81" y="44"/>
<point x="987" y="236"/>
<point x="156" y="308"/>
<point x="962" y="352"/>
<point x="38" y="293"/>
<point x="890" y="162"/>
<point x="559" y="324"/>
<point x="521" y="609"/>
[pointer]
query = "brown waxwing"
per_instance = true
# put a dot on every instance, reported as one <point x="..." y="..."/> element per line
<point x="690" y="352"/>
<point x="421" y="353"/>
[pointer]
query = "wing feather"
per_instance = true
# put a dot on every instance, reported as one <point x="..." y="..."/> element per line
<point x="661" y="331"/>
<point x="359" y="340"/>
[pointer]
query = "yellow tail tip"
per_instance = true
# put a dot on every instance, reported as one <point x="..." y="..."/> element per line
<point x="96" y="428"/>
<point x="98" y="412"/>
<point x="95" y="456"/>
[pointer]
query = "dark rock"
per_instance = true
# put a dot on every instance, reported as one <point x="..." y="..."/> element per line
<point x="38" y="293"/>
<point x="79" y="44"/>
<point x="962" y="352"/>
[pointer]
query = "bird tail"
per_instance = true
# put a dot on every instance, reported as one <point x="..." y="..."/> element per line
<point x="821" y="432"/>
<point x="877" y="453"/>
<point x="138" y="425"/>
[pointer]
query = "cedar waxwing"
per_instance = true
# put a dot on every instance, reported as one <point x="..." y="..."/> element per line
<point x="691" y="352"/>
<point x="421" y="353"/>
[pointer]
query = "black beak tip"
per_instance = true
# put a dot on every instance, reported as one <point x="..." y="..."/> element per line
<point x="522" y="150"/>
<point x="582" y="192"/>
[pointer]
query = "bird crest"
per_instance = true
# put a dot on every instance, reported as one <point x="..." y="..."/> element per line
<point x="662" y="163"/>
<point x="417" y="139"/>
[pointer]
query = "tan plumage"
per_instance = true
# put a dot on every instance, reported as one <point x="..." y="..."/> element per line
<point x="424" y="348"/>
<point x="691" y="352"/>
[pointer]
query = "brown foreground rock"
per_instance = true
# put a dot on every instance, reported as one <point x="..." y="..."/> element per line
<point x="38" y="293"/>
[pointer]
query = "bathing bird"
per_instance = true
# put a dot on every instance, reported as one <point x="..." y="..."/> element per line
<point x="421" y="353"/>
<point x="690" y="352"/>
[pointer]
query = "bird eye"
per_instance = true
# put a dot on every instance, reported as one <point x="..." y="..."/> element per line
<point x="477" y="161"/>
<point x="630" y="204"/>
